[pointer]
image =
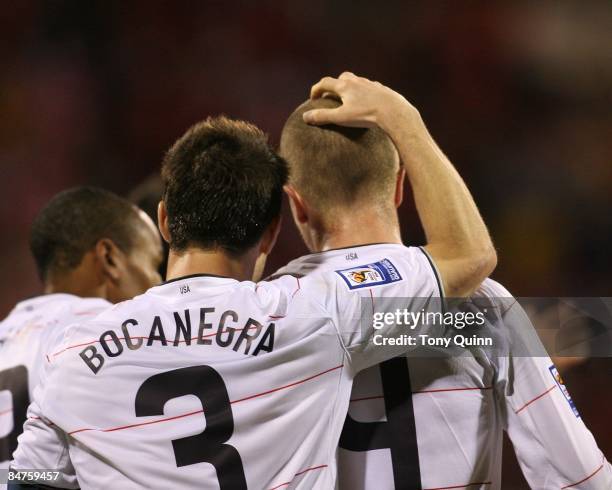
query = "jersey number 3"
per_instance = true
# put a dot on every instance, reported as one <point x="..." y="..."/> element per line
<point x="208" y="446"/>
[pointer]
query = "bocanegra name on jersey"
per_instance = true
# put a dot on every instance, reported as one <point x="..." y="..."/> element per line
<point x="250" y="339"/>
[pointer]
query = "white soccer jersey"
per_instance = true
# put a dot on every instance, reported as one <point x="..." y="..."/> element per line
<point x="437" y="423"/>
<point x="207" y="382"/>
<point x="24" y="334"/>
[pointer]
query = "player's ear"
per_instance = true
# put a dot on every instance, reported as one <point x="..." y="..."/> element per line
<point x="110" y="258"/>
<point x="162" y="219"/>
<point x="268" y="240"/>
<point x="399" y="186"/>
<point x="266" y="244"/>
<point x="299" y="210"/>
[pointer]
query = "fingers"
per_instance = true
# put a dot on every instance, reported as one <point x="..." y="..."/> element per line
<point x="347" y="75"/>
<point x="326" y="84"/>
<point x="319" y="117"/>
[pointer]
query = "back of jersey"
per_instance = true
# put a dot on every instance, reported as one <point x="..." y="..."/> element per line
<point x="437" y="422"/>
<point x="23" y="337"/>
<point x="423" y="421"/>
<point x="203" y="382"/>
<point x="208" y="382"/>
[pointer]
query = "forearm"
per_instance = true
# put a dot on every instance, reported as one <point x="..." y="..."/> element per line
<point x="452" y="223"/>
<point x="457" y="238"/>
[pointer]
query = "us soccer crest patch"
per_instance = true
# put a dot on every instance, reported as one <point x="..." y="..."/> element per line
<point x="370" y="275"/>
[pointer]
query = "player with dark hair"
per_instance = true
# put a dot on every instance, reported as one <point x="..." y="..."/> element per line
<point x="91" y="242"/>
<point x="91" y="248"/>
<point x="214" y="381"/>
<point x="418" y="422"/>
<point x="223" y="189"/>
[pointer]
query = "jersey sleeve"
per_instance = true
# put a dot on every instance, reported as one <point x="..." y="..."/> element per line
<point x="553" y="445"/>
<point x="43" y="446"/>
<point x="364" y="300"/>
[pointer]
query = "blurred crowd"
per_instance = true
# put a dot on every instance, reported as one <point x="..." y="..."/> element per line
<point x="518" y="94"/>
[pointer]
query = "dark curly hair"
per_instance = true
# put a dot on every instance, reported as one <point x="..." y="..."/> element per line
<point x="223" y="186"/>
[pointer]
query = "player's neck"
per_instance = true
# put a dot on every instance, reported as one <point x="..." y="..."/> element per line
<point x="359" y="229"/>
<point x="198" y="261"/>
<point x="76" y="282"/>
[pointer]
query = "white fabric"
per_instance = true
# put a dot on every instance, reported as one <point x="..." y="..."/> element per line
<point x="461" y="406"/>
<point x="271" y="408"/>
<point x="24" y="335"/>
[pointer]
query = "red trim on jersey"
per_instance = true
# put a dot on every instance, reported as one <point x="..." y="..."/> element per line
<point x="143" y="338"/>
<point x="113" y="429"/>
<point x="4" y="412"/>
<point x="536" y="398"/>
<point x="73" y="347"/>
<point x="48" y="422"/>
<point x="460" y="486"/>
<point x="585" y="479"/>
<point x="275" y="317"/>
<point x="140" y="424"/>
<point x="289" y="385"/>
<point x="298" y="474"/>
<point x="424" y="391"/>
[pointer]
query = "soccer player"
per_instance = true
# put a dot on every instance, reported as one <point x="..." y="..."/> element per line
<point x="415" y="422"/>
<point x="91" y="248"/>
<point x="213" y="381"/>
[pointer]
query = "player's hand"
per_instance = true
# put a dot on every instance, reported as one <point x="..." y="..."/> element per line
<point x="364" y="104"/>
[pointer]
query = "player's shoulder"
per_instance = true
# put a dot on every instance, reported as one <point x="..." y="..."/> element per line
<point x="348" y="257"/>
<point x="85" y="308"/>
<point x="285" y="294"/>
<point x="492" y="289"/>
<point x="50" y="311"/>
<point x="363" y="266"/>
<point x="492" y="294"/>
<point x="122" y="310"/>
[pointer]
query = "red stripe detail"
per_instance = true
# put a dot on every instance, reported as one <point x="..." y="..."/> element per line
<point x="585" y="479"/>
<point x="48" y="422"/>
<point x="460" y="486"/>
<point x="298" y="474"/>
<point x="142" y="423"/>
<point x="536" y="398"/>
<point x="424" y="391"/>
<point x="74" y="346"/>
<point x="289" y="385"/>
<point x="4" y="412"/>
<point x="274" y="317"/>
<point x="143" y="338"/>
<point x="202" y="411"/>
